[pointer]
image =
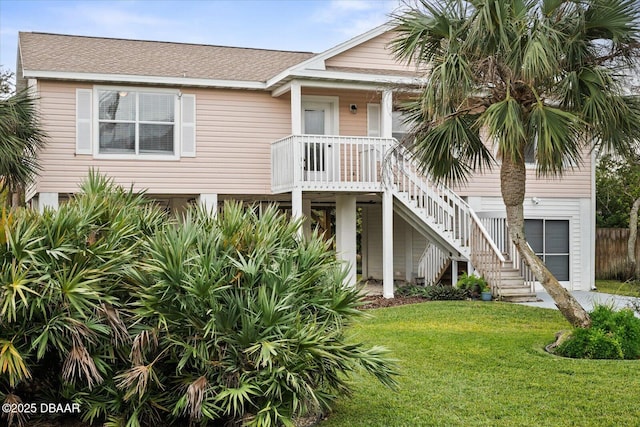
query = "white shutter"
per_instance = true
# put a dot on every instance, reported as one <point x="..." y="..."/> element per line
<point x="188" y="126"/>
<point x="373" y="120"/>
<point x="83" y="121"/>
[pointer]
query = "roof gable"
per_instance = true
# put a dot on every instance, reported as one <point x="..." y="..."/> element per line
<point x="373" y="54"/>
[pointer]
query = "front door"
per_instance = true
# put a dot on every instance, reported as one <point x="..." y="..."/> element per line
<point x="319" y="161"/>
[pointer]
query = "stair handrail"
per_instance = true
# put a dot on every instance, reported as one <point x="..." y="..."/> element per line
<point x="436" y="259"/>
<point x="485" y="233"/>
<point x="518" y="262"/>
<point x="490" y="260"/>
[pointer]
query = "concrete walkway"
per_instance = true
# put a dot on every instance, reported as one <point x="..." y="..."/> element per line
<point x="586" y="299"/>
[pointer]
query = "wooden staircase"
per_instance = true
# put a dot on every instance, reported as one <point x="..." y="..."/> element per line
<point x="512" y="287"/>
<point x="454" y="229"/>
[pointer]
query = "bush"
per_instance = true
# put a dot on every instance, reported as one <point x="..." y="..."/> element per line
<point x="65" y="306"/>
<point x="612" y="335"/>
<point x="410" y="290"/>
<point x="474" y="285"/>
<point x="143" y="320"/>
<point x="446" y="293"/>
<point x="438" y="292"/>
<point x="591" y="344"/>
<point x="250" y="320"/>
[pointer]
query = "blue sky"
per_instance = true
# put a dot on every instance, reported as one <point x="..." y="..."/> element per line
<point x="305" y="25"/>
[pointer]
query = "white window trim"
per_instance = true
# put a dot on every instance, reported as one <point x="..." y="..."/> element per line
<point x="177" y="141"/>
<point x="334" y="103"/>
<point x="570" y="220"/>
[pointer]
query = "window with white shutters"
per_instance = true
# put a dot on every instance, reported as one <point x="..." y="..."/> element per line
<point x="124" y="122"/>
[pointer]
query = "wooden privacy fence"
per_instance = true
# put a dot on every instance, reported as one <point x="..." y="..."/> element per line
<point x="611" y="252"/>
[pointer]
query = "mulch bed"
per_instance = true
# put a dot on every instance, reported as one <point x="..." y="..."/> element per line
<point x="379" y="301"/>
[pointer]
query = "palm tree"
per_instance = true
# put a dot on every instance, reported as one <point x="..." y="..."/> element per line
<point x="530" y="75"/>
<point x="20" y="139"/>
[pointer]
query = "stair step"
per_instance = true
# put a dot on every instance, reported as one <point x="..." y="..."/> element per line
<point x="516" y="282"/>
<point x="514" y="291"/>
<point x="519" y="298"/>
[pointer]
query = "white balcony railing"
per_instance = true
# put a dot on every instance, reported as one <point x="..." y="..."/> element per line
<point x="327" y="162"/>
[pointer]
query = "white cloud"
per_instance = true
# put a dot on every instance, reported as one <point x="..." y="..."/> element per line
<point x="353" y="17"/>
<point x="118" y="19"/>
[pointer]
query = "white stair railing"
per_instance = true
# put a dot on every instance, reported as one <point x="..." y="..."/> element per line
<point x="431" y="264"/>
<point x="499" y="231"/>
<point x="444" y="210"/>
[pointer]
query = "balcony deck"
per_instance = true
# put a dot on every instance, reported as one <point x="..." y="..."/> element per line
<point x="328" y="163"/>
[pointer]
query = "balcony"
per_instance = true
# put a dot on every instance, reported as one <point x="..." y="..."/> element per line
<point x="328" y="163"/>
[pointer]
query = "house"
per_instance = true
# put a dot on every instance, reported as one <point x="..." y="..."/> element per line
<point x="312" y="132"/>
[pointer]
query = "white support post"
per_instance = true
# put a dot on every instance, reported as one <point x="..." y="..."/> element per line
<point x="470" y="268"/>
<point x="408" y="253"/>
<point x="296" y="206"/>
<point x="386" y="108"/>
<point x="210" y="202"/>
<point x="306" y="211"/>
<point x="346" y="234"/>
<point x="387" y="244"/>
<point x="296" y="108"/>
<point x="47" y="200"/>
<point x="364" y="242"/>
<point x="454" y="272"/>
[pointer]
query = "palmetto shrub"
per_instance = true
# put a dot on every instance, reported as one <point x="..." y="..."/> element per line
<point x="144" y="320"/>
<point x="64" y="316"/>
<point x="248" y="321"/>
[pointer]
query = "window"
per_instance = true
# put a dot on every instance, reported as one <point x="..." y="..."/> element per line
<point x="399" y="128"/>
<point x="135" y="122"/>
<point x="549" y="239"/>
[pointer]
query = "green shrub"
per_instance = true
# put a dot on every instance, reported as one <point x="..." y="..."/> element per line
<point x="446" y="293"/>
<point x="250" y="320"/>
<point x="591" y="344"/>
<point x="474" y="285"/>
<point x="64" y="303"/>
<point x="410" y="290"/>
<point x="143" y="320"/>
<point x="438" y="292"/>
<point x="612" y="335"/>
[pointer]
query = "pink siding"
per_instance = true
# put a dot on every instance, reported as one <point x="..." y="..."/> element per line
<point x="573" y="184"/>
<point x="234" y="133"/>
<point x="350" y="124"/>
<point x="235" y="130"/>
<point x="372" y="54"/>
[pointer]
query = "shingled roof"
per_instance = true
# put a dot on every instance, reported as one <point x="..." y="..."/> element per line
<point x="96" y="55"/>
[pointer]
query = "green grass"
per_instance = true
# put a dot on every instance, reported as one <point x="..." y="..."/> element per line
<point x="483" y="364"/>
<point x="618" y="288"/>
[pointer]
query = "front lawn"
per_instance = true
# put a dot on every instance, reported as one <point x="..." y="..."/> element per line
<point x="482" y="364"/>
<point x="618" y="288"/>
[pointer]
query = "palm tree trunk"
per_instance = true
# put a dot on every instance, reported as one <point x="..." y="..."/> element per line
<point x="17" y="198"/>
<point x="634" y="271"/>
<point x="512" y="184"/>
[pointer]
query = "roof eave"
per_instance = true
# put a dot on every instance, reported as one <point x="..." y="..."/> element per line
<point x="129" y="78"/>
<point x="356" y="80"/>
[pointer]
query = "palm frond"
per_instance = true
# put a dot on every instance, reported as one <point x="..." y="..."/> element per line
<point x="559" y="140"/>
<point x="505" y="125"/>
<point x="21" y="137"/>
